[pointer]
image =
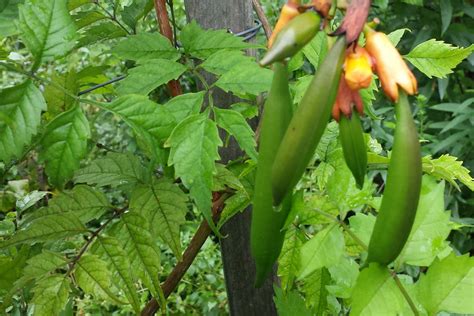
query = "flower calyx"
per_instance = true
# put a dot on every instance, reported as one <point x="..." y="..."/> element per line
<point x="346" y="99"/>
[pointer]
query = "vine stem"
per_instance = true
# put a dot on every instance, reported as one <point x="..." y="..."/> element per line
<point x="405" y="293"/>
<point x="188" y="256"/>
<point x="89" y="241"/>
<point x="345" y="227"/>
<point x="262" y="17"/>
<point x="113" y="17"/>
<point x="363" y="245"/>
<point x="165" y="29"/>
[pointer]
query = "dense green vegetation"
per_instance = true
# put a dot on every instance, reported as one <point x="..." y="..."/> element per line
<point x="101" y="191"/>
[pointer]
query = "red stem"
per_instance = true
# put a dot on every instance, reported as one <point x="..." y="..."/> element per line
<point x="165" y="28"/>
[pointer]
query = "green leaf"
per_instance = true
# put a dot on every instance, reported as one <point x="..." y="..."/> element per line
<point x="246" y="78"/>
<point x="341" y="187"/>
<point x="312" y="208"/>
<point x="185" y="105"/>
<point x="362" y="226"/>
<point x="203" y="43"/>
<point x="83" y="201"/>
<point x="146" y="78"/>
<point x="317" y="49"/>
<point x="376" y="293"/>
<point x="368" y="96"/>
<point x="164" y="206"/>
<point x="64" y="145"/>
<point x="50" y="295"/>
<point x="247" y="110"/>
<point x="144" y="47"/>
<point x="224" y="60"/>
<point x="47" y="28"/>
<point x="194" y="144"/>
<point x="7" y="201"/>
<point x="151" y="122"/>
<point x="114" y="169"/>
<point x="397" y="35"/>
<point x="448" y="168"/>
<point x="101" y="32"/>
<point x="431" y="226"/>
<point x="446" y="10"/>
<point x="225" y="178"/>
<point x="289" y="260"/>
<point x="437" y="58"/>
<point x="112" y="252"/>
<point x="49" y="227"/>
<point x="83" y="19"/>
<point x="344" y="275"/>
<point x="136" y="10"/>
<point x="11" y="269"/>
<point x="57" y="93"/>
<point x="316" y="292"/>
<point x="323" y="250"/>
<point x="382" y="4"/>
<point x="93" y="276"/>
<point x="43" y="264"/>
<point x="7" y="16"/>
<point x="290" y="303"/>
<point x="414" y="2"/>
<point x="299" y="88"/>
<point x="236" y="125"/>
<point x="238" y="202"/>
<point x="74" y="4"/>
<point x="133" y="232"/>
<point x="20" y="116"/>
<point x="448" y="286"/>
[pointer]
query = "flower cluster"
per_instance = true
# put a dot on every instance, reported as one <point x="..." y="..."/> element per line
<point x="357" y="75"/>
<point x="380" y="55"/>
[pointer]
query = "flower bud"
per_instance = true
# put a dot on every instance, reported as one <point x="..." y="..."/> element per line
<point x="288" y="12"/>
<point x="389" y="65"/>
<point x="358" y="69"/>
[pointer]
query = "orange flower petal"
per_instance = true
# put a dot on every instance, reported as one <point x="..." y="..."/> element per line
<point x="390" y="66"/>
<point x="358" y="69"/>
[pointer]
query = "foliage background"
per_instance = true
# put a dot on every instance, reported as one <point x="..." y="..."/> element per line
<point x="444" y="113"/>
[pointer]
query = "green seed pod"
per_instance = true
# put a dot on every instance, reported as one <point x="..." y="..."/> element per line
<point x="402" y="190"/>
<point x="307" y="125"/>
<point x="266" y="238"/>
<point x="353" y="146"/>
<point x="293" y="37"/>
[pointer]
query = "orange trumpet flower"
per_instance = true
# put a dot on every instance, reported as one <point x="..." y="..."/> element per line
<point x="389" y="65"/>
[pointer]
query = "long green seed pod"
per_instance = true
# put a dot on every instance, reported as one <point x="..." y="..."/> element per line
<point x="353" y="146"/>
<point x="293" y="37"/>
<point x="402" y="190"/>
<point x="266" y="237"/>
<point x="307" y="125"/>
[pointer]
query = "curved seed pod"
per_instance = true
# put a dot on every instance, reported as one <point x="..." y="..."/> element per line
<point x="293" y="37"/>
<point x="402" y="190"/>
<point x="307" y="125"/>
<point x="353" y="146"/>
<point x="266" y="237"/>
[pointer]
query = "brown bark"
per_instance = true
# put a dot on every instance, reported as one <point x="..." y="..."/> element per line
<point x="239" y="267"/>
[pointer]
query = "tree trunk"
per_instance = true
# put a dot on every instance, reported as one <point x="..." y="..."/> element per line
<point x="239" y="269"/>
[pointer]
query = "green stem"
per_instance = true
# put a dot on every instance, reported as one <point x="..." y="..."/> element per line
<point x="345" y="227"/>
<point x="405" y="293"/>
